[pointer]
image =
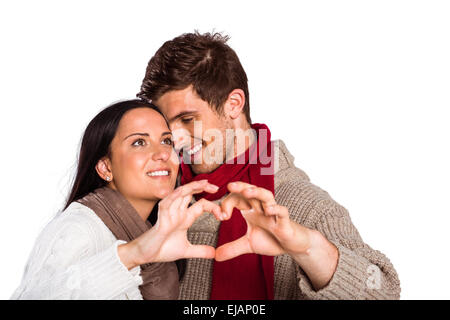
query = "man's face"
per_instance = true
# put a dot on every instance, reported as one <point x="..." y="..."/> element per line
<point x="197" y="129"/>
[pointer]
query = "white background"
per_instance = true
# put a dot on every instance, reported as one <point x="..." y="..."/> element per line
<point x="358" y="90"/>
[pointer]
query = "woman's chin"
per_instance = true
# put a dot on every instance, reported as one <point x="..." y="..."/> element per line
<point x="162" y="193"/>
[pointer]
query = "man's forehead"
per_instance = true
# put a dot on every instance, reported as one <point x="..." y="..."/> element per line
<point x="180" y="103"/>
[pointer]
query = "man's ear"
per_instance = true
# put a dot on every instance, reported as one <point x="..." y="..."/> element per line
<point x="103" y="168"/>
<point x="234" y="104"/>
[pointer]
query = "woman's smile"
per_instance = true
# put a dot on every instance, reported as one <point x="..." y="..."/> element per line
<point x="159" y="173"/>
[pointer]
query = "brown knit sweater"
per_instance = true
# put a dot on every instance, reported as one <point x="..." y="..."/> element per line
<point x="361" y="273"/>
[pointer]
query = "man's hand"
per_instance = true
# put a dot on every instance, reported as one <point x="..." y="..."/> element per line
<point x="270" y="231"/>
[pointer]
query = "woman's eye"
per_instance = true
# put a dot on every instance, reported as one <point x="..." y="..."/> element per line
<point x="187" y="120"/>
<point x="139" y="142"/>
<point x="168" y="141"/>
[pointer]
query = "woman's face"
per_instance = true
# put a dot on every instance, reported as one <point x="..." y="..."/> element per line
<point x="143" y="163"/>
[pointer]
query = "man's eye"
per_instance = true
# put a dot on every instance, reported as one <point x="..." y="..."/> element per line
<point x="187" y="120"/>
<point x="139" y="142"/>
<point x="168" y="141"/>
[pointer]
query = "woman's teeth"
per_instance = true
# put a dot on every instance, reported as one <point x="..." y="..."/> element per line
<point x="158" y="173"/>
<point x="194" y="149"/>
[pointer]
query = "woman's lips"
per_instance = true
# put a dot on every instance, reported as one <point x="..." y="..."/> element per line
<point x="161" y="173"/>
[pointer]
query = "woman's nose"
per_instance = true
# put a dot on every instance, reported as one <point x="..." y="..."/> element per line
<point x="162" y="153"/>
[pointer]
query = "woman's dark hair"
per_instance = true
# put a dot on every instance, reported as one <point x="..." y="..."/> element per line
<point x="95" y="145"/>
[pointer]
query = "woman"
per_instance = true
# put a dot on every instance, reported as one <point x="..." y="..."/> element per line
<point x="102" y="246"/>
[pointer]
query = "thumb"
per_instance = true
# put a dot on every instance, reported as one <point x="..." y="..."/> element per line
<point x="200" y="251"/>
<point x="233" y="249"/>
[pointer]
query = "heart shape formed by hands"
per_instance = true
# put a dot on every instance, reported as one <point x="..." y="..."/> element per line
<point x="269" y="229"/>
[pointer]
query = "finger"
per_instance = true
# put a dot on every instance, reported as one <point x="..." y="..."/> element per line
<point x="251" y="191"/>
<point x="191" y="187"/>
<point x="185" y="202"/>
<point x="256" y="208"/>
<point x="238" y="186"/>
<point x="198" y="187"/>
<point x="187" y="189"/>
<point x="175" y="205"/>
<point x="203" y="205"/>
<point x="211" y="188"/>
<point x="256" y="204"/>
<point x="167" y="201"/>
<point x="200" y="251"/>
<point x="234" y="200"/>
<point x="168" y="207"/>
<point x="233" y="249"/>
<point x="261" y="194"/>
<point x="281" y="213"/>
<point x="206" y="187"/>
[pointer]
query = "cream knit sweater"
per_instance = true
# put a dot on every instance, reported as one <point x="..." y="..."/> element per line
<point x="75" y="256"/>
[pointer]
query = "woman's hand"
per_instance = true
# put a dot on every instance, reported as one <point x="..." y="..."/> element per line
<point x="167" y="239"/>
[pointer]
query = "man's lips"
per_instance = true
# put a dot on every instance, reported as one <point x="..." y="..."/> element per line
<point x="190" y="152"/>
<point x="194" y="149"/>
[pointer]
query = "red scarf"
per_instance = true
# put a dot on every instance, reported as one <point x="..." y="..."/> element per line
<point x="249" y="276"/>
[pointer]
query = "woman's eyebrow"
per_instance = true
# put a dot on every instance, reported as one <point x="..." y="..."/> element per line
<point x="137" y="134"/>
<point x="166" y="133"/>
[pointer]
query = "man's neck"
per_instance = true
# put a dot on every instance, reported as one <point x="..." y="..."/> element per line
<point x="243" y="138"/>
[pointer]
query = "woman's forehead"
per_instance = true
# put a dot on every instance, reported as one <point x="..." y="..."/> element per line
<point x="146" y="120"/>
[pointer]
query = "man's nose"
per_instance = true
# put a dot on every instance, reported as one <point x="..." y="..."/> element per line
<point x="181" y="138"/>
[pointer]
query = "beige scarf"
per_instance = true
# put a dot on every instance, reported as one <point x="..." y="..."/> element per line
<point x="160" y="280"/>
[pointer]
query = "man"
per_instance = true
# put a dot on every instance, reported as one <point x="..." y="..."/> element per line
<point x="282" y="237"/>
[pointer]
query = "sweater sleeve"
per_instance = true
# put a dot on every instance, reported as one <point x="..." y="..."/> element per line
<point x="65" y="264"/>
<point x="361" y="273"/>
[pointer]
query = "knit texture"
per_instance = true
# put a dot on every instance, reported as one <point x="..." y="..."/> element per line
<point x="75" y="257"/>
<point x="361" y="273"/>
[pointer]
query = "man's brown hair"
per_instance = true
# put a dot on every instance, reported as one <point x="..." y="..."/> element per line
<point x="204" y="61"/>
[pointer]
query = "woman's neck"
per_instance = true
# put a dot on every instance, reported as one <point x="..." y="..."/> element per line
<point x="143" y="206"/>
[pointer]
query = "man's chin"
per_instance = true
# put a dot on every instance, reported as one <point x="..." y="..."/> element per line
<point x="204" y="168"/>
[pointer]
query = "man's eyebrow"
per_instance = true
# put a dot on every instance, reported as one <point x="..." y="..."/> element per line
<point x="137" y="134"/>
<point x="181" y="114"/>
